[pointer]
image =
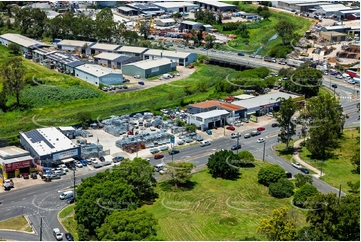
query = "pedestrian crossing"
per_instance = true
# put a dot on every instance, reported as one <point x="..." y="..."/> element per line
<point x="346" y="97"/>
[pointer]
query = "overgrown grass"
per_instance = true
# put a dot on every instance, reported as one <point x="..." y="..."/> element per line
<point x="66" y="211"/>
<point x="338" y="169"/>
<point x="70" y="225"/>
<point x="202" y="213"/>
<point x="17" y="223"/>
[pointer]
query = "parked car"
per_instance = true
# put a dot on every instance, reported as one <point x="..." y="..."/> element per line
<point x="191" y="47"/>
<point x="188" y="140"/>
<point x="83" y="162"/>
<point x="69" y="237"/>
<point x="141" y="83"/>
<point x="255" y="133"/>
<point x="260" y="140"/>
<point x="173" y="152"/>
<point x="252" y="56"/>
<point x="118" y="158"/>
<point x="304" y="170"/>
<point x="236" y="147"/>
<point x="34" y="176"/>
<point x="297" y="165"/>
<point x="274" y="125"/>
<point x="260" y="128"/>
<point x="55" y="176"/>
<point x="101" y="158"/>
<point x="235" y="135"/>
<point x="137" y="76"/>
<point x="154" y="150"/>
<point x="126" y="80"/>
<point x="240" y="54"/>
<point x="245" y="120"/>
<point x="57" y="234"/>
<point x="26" y="175"/>
<point x="246" y="136"/>
<point x="79" y="164"/>
<point x="8" y="184"/>
<point x="205" y="143"/>
<point x="209" y="132"/>
<point x="230" y="128"/>
<point x="180" y="142"/>
<point x="158" y="156"/>
<point x="159" y="167"/>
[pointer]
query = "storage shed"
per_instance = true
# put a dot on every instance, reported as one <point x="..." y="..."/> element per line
<point x="190" y="25"/>
<point x="96" y="74"/>
<point x="181" y="58"/>
<point x="165" y="22"/>
<point x="149" y="68"/>
<point x="113" y="60"/>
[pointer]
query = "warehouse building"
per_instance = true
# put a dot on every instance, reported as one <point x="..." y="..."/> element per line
<point x="302" y="6"/>
<point x="67" y="66"/>
<point x="101" y="48"/>
<point x="49" y="145"/>
<point x="171" y="7"/>
<point x="71" y="45"/>
<point x="333" y="36"/>
<point x="127" y="11"/>
<point x="96" y="74"/>
<point x="330" y="10"/>
<point x="15" y="161"/>
<point x="190" y="25"/>
<point x="132" y="51"/>
<point x="149" y="68"/>
<point x="39" y="55"/>
<point x="208" y="120"/>
<point x="26" y="44"/>
<point x="216" y="6"/>
<point x="206" y="106"/>
<point x="181" y="58"/>
<point x="164" y="22"/>
<point x="113" y="60"/>
<point x="260" y="105"/>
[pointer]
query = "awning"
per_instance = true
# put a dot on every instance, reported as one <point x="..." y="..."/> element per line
<point x="251" y="113"/>
<point x="67" y="160"/>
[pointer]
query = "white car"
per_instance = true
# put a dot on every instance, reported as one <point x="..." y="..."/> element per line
<point x="163" y="171"/>
<point x="62" y="166"/>
<point x="297" y="165"/>
<point x="235" y="135"/>
<point x="260" y="140"/>
<point x="78" y="164"/>
<point x="57" y="234"/>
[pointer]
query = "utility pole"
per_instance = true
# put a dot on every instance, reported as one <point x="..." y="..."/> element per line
<point x="264" y="150"/>
<point x="321" y="169"/>
<point x="74" y="183"/>
<point x="237" y="142"/>
<point x="41" y="228"/>
<point x="339" y="191"/>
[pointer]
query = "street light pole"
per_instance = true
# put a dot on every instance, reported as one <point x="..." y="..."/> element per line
<point x="74" y="183"/>
<point x="264" y="150"/>
<point x="41" y="228"/>
<point x="237" y="142"/>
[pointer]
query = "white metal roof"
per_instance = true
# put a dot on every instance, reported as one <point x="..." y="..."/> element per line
<point x="167" y="20"/>
<point x="147" y="64"/>
<point x="108" y="56"/>
<point x="217" y="4"/>
<point x="12" y="151"/>
<point x="132" y="49"/>
<point x="76" y="43"/>
<point x="20" y="40"/>
<point x="244" y="96"/>
<point x="263" y="100"/>
<point x="334" y="7"/>
<point x="191" y="23"/>
<point x="57" y="139"/>
<point x="96" y="70"/>
<point x="313" y="4"/>
<point x="175" y="4"/>
<point x="67" y="128"/>
<point x="211" y="114"/>
<point x="167" y="53"/>
<point x="100" y="46"/>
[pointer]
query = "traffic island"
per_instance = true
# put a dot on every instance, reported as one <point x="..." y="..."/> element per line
<point x="18" y="224"/>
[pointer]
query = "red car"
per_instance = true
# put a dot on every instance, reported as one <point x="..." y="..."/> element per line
<point x="26" y="176"/>
<point x="230" y="128"/>
<point x="260" y="129"/>
<point x="158" y="156"/>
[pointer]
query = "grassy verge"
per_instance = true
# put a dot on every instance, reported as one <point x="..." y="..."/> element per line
<point x="69" y="222"/>
<point x="66" y="211"/>
<point x="216" y="209"/>
<point x="18" y="223"/>
<point x="338" y="169"/>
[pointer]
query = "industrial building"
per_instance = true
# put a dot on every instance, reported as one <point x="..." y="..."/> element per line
<point x="263" y="104"/>
<point x="164" y="22"/>
<point x="333" y="36"/>
<point x="15" y="161"/>
<point x="132" y="51"/>
<point x="26" y="44"/>
<point x="49" y="145"/>
<point x="145" y="8"/>
<point x="301" y="6"/>
<point x="71" y="45"/>
<point x="171" y="7"/>
<point x="181" y="58"/>
<point x="190" y="25"/>
<point x="101" y="48"/>
<point x="149" y="68"/>
<point x="113" y="60"/>
<point x="127" y="11"/>
<point x="195" y="108"/>
<point x="331" y="10"/>
<point x="208" y="120"/>
<point x="96" y="74"/>
<point x="217" y="6"/>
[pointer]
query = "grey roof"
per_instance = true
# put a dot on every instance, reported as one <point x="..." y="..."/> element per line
<point x="211" y="114"/>
<point x="75" y="63"/>
<point x="110" y="56"/>
<point x="167" y="53"/>
<point x="126" y="9"/>
<point x="263" y="100"/>
<point x="147" y="64"/>
<point x="313" y="4"/>
<point x="216" y="4"/>
<point x="101" y="46"/>
<point x="21" y="40"/>
<point x="191" y="23"/>
<point x="76" y="43"/>
<point x="132" y="49"/>
<point x="334" y="7"/>
<point x="356" y="11"/>
<point x="167" y="20"/>
<point x="96" y="70"/>
<point x="175" y="4"/>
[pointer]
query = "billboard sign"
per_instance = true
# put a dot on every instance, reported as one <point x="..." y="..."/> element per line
<point x="65" y="154"/>
<point x="17" y="165"/>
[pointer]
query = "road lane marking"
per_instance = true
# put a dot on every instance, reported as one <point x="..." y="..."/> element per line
<point x="30" y="193"/>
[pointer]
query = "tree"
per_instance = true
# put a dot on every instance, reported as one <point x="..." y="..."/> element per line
<point x="336" y="217"/>
<point x="281" y="189"/>
<point x="84" y="118"/>
<point x="219" y="165"/>
<point x="128" y="226"/>
<point x="130" y="36"/>
<point x="13" y="77"/>
<point x="302" y="179"/>
<point x="300" y="197"/>
<point x="265" y="14"/>
<point x="210" y="40"/>
<point x="270" y="174"/>
<point x="279" y="227"/>
<point x="144" y="29"/>
<point x="306" y="81"/>
<point x="310" y="234"/>
<point x="190" y="128"/>
<point x="326" y="120"/>
<point x="284" y="118"/>
<point x="355" y="187"/>
<point x="14" y="48"/>
<point x="3" y="100"/>
<point x="246" y="158"/>
<point x="105" y="25"/>
<point x="285" y="30"/>
<point x="180" y="172"/>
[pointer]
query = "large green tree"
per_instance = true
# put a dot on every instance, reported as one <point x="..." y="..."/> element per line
<point x="335" y="217"/>
<point x="13" y="77"/>
<point x="284" y="118"/>
<point x="306" y="81"/>
<point x="220" y="165"/>
<point x="280" y="227"/>
<point x="281" y="189"/>
<point x="285" y="30"/>
<point x="179" y="172"/>
<point x="105" y="25"/>
<point x="210" y="40"/>
<point x="301" y="195"/>
<point x="326" y="120"/>
<point x="128" y="226"/>
<point x="302" y="179"/>
<point x="144" y="29"/>
<point x="270" y="174"/>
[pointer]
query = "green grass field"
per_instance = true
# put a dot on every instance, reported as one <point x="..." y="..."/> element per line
<point x="217" y="209"/>
<point x="66" y="211"/>
<point x="17" y="223"/>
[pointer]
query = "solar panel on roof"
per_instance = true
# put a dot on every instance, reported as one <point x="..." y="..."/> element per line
<point x="36" y="137"/>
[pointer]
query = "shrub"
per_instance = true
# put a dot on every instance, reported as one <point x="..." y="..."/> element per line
<point x="280" y="51"/>
<point x="271" y="174"/>
<point x="302" y="179"/>
<point x="302" y="194"/>
<point x="281" y="189"/>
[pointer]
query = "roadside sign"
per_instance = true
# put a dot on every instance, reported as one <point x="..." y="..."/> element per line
<point x="172" y="139"/>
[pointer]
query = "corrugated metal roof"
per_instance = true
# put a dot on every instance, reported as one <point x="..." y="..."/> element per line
<point x="75" y="63"/>
<point x="212" y="103"/>
<point x="175" y="4"/>
<point x="76" y="43"/>
<point x="132" y="49"/>
<point x="147" y="64"/>
<point x="263" y="100"/>
<point x="21" y="40"/>
<point x="96" y="70"/>
<point x="101" y="46"/>
<point x="216" y="4"/>
<point x="167" y="20"/>
<point x="211" y="114"/>
<point x="167" y="53"/>
<point x="191" y="23"/>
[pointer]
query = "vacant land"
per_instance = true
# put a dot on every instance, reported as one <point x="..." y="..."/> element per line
<point x="18" y="223"/>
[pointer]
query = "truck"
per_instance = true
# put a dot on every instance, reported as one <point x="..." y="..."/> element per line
<point x="269" y="59"/>
<point x="353" y="74"/>
<point x="294" y="63"/>
<point x="8" y="184"/>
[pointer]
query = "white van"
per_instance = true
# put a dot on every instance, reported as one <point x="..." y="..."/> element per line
<point x="205" y="143"/>
<point x="66" y="195"/>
